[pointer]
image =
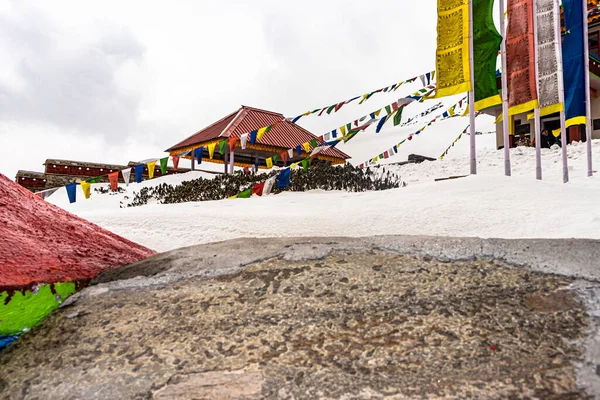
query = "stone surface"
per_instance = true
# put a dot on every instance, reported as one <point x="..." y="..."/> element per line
<point x="324" y="318"/>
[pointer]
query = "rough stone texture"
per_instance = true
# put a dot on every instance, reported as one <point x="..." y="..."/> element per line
<point x="43" y="243"/>
<point x="323" y="318"/>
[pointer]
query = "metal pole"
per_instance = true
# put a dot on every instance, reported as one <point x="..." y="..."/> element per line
<point x="192" y="158"/>
<point x="232" y="156"/>
<point x="536" y="111"/>
<point x="225" y="160"/>
<point x="588" y="104"/>
<point x="561" y="94"/>
<point x="472" y="94"/>
<point x="504" y="79"/>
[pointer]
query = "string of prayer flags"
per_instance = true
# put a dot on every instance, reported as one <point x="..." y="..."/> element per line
<point x="163" y="164"/>
<point x="456" y="140"/>
<point x="197" y="153"/>
<point x="44" y="194"/>
<point x="139" y="172"/>
<point x="151" y="166"/>
<point x="425" y="78"/>
<point x="72" y="192"/>
<point x="85" y="187"/>
<point x="94" y="180"/>
<point x="126" y="175"/>
<point x="113" y="178"/>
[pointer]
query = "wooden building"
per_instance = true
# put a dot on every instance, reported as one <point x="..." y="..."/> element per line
<point x="282" y="137"/>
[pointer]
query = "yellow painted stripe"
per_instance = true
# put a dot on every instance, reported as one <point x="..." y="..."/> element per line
<point x="487" y="103"/>
<point x="576" y="121"/>
<point x="522" y="108"/>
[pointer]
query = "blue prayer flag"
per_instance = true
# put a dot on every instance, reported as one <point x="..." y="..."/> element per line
<point x="299" y="150"/>
<point x="380" y="125"/>
<point x="253" y="136"/>
<point x="283" y="179"/>
<point x="296" y="119"/>
<point x="334" y="133"/>
<point x="198" y="154"/>
<point x="139" y="172"/>
<point x="72" y="192"/>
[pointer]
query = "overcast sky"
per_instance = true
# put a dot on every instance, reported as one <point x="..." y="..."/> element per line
<point x="116" y="81"/>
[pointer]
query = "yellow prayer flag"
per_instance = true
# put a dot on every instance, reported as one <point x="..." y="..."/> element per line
<point x="269" y="162"/>
<point x="294" y="165"/>
<point x="151" y="166"/>
<point x="343" y="130"/>
<point x="452" y="53"/>
<point x="306" y="147"/>
<point x="556" y="132"/>
<point x="365" y="96"/>
<point x="232" y="197"/>
<point x="261" y="132"/>
<point x="377" y="112"/>
<point x="375" y="159"/>
<point x="451" y="110"/>
<point x="211" y="150"/>
<point x="85" y="186"/>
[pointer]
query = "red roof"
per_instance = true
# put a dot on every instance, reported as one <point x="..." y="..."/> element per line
<point x="285" y="135"/>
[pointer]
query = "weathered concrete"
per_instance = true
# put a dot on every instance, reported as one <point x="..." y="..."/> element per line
<point x="383" y="317"/>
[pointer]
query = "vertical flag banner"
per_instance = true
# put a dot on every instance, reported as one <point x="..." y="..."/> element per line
<point x="452" y="54"/>
<point x="126" y="175"/>
<point x="175" y="162"/>
<point x="151" y="166"/>
<point x="520" y="58"/>
<point x="163" y="165"/>
<point x="548" y="52"/>
<point x="139" y="172"/>
<point x="113" y="178"/>
<point x="72" y="192"/>
<point x="486" y="43"/>
<point x="574" y="63"/>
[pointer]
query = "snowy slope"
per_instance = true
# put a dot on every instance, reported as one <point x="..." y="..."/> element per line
<point x="488" y="205"/>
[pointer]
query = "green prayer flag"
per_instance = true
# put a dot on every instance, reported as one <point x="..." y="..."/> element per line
<point x="381" y="156"/>
<point x="268" y="128"/>
<point x="314" y="143"/>
<point x="306" y="163"/>
<point x="398" y="117"/>
<point x="486" y="43"/>
<point x="330" y="109"/>
<point x="163" y="165"/>
<point x="246" y="194"/>
<point x="222" y="145"/>
<point x="275" y="158"/>
<point x="94" y="180"/>
<point x="348" y="126"/>
<point x="388" y="109"/>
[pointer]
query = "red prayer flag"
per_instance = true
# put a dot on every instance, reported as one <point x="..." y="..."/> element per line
<point x="246" y="170"/>
<point x="324" y="108"/>
<point x="284" y="156"/>
<point x="113" y="177"/>
<point x="275" y="124"/>
<point x="361" y="166"/>
<point x="258" y="189"/>
<point x="175" y="161"/>
<point x="385" y="154"/>
<point x="339" y="106"/>
<point x="232" y="142"/>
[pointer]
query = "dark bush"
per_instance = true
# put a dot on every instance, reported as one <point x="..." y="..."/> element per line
<point x="321" y="176"/>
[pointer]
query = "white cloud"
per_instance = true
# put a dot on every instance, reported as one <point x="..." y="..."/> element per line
<point x="86" y="80"/>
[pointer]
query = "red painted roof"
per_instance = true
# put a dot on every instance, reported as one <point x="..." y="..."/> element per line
<point x="45" y="244"/>
<point x="285" y="135"/>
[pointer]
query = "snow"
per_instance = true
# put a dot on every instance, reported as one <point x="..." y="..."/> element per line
<point x="486" y="205"/>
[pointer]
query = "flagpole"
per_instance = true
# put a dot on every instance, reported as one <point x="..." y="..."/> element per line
<point x="588" y="108"/>
<point x="561" y="95"/>
<point x="536" y="111"/>
<point x="504" y="79"/>
<point x="472" y="93"/>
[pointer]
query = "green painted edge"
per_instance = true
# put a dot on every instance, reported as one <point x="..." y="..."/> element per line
<point x="22" y="310"/>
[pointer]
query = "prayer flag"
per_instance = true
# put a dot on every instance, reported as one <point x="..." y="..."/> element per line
<point x="176" y="161"/>
<point x="127" y="175"/>
<point x="253" y="136"/>
<point x="151" y="166"/>
<point x="198" y="153"/>
<point x="269" y="162"/>
<point x="258" y="189"/>
<point x="398" y="117"/>
<point x="313" y="143"/>
<point x="284" y="156"/>
<point x="72" y="192"/>
<point x="306" y="163"/>
<point x="163" y="167"/>
<point x="299" y="151"/>
<point x="244" y="140"/>
<point x="486" y="43"/>
<point x="306" y="147"/>
<point x="261" y="132"/>
<point x="113" y="178"/>
<point x="574" y="63"/>
<point x="211" y="150"/>
<point x="290" y="153"/>
<point x="232" y="143"/>
<point x="283" y="179"/>
<point x="268" y="186"/>
<point x="139" y="172"/>
<point x="275" y="158"/>
<point x="246" y="194"/>
<point x="222" y="146"/>
<point x="85" y="186"/>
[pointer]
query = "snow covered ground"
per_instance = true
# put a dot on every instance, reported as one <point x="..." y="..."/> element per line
<point x="486" y="205"/>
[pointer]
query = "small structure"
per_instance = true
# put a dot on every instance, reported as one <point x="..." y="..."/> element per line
<point x="62" y="172"/>
<point x="282" y="137"/>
